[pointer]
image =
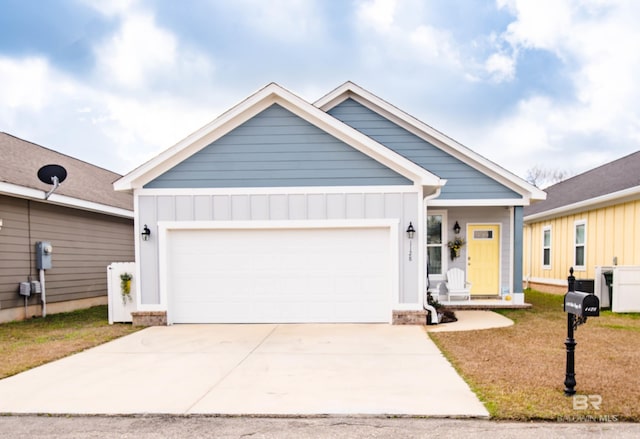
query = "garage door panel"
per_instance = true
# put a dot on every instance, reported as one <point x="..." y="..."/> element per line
<point x="279" y="275"/>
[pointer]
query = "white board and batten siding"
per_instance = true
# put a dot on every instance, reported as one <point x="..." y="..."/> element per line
<point x="314" y="212"/>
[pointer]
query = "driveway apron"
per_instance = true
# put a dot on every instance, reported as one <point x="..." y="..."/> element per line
<point x="292" y="369"/>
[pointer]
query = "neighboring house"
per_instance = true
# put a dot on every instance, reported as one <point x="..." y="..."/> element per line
<point x="590" y="220"/>
<point x="285" y="211"/>
<point x="88" y="224"/>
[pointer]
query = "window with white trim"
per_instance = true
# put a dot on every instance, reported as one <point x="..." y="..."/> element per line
<point x="435" y="242"/>
<point x="546" y="247"/>
<point x="580" y="245"/>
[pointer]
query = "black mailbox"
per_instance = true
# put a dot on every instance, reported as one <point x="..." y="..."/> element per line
<point x="581" y="304"/>
<point x="578" y="306"/>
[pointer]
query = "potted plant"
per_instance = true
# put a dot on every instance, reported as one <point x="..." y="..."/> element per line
<point x="125" y="287"/>
<point x="454" y="246"/>
<point x="444" y="315"/>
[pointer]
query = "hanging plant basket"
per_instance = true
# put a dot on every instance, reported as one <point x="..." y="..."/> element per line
<point x="454" y="247"/>
<point x="125" y="287"/>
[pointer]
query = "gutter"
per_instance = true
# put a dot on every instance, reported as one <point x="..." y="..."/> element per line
<point x="62" y="200"/>
<point x="601" y="201"/>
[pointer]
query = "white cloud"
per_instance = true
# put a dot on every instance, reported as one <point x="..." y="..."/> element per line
<point x="378" y="14"/>
<point x="500" y="67"/>
<point x="141" y="129"/>
<point x="289" y="21"/>
<point x="139" y="50"/>
<point x="599" y="47"/>
<point x="24" y="83"/>
<point x="523" y="134"/>
<point x="149" y="87"/>
<point x="433" y="44"/>
<point x="540" y="24"/>
<point x="146" y="93"/>
<point x="399" y="31"/>
<point x="111" y="8"/>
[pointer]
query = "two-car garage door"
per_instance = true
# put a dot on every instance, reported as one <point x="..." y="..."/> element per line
<point x="253" y="275"/>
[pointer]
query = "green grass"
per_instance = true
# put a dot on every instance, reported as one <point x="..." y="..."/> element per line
<point x="30" y="343"/>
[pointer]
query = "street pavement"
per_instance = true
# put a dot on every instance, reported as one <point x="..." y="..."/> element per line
<point x="152" y="427"/>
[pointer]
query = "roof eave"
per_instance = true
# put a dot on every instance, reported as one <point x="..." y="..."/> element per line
<point x="273" y="93"/>
<point x="428" y="133"/>
<point x="62" y="200"/>
<point x="591" y="203"/>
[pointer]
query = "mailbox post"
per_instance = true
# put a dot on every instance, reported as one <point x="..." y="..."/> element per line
<point x="578" y="306"/>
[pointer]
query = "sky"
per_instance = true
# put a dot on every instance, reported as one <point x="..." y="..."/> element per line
<point x="551" y="84"/>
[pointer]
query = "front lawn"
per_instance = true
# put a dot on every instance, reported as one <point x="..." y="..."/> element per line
<point x="33" y="342"/>
<point x="518" y="372"/>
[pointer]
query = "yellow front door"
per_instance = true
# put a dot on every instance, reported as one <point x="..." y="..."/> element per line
<point x="483" y="258"/>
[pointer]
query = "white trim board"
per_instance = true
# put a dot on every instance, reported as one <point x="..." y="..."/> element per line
<point x="297" y="190"/>
<point x="478" y="202"/>
<point x="62" y="200"/>
<point x="248" y="108"/>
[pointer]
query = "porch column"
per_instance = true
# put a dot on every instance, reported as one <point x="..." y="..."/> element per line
<point x="517" y="248"/>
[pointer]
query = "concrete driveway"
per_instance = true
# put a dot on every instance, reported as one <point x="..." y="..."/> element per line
<point x="308" y="369"/>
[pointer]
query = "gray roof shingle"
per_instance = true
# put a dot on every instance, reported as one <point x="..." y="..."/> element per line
<point x="612" y="177"/>
<point x="20" y="161"/>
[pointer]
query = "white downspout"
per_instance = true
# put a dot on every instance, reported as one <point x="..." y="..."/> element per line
<point x="43" y="295"/>
<point x="512" y="244"/>
<point x="425" y="305"/>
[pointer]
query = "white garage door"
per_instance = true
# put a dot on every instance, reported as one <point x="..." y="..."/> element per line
<point x="279" y="275"/>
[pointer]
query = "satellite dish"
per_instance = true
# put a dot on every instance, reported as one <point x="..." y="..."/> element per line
<point x="52" y="174"/>
<point x="49" y="173"/>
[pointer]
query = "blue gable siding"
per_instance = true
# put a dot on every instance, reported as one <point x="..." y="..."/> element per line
<point x="464" y="182"/>
<point x="277" y="149"/>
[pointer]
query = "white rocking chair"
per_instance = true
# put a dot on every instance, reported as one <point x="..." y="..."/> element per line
<point x="456" y="285"/>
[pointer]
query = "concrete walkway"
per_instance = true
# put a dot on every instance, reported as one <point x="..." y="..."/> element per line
<point x="473" y="321"/>
<point x="351" y="369"/>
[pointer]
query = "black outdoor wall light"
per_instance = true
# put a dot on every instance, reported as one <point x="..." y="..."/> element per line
<point x="456" y="228"/>
<point x="410" y="232"/>
<point x="146" y="233"/>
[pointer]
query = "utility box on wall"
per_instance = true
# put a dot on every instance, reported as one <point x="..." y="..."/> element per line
<point x="43" y="255"/>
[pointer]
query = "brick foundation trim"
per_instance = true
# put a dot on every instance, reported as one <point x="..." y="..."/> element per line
<point x="410" y="317"/>
<point x="149" y="318"/>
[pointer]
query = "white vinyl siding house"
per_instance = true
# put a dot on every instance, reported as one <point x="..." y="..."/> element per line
<point x="285" y="211"/>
